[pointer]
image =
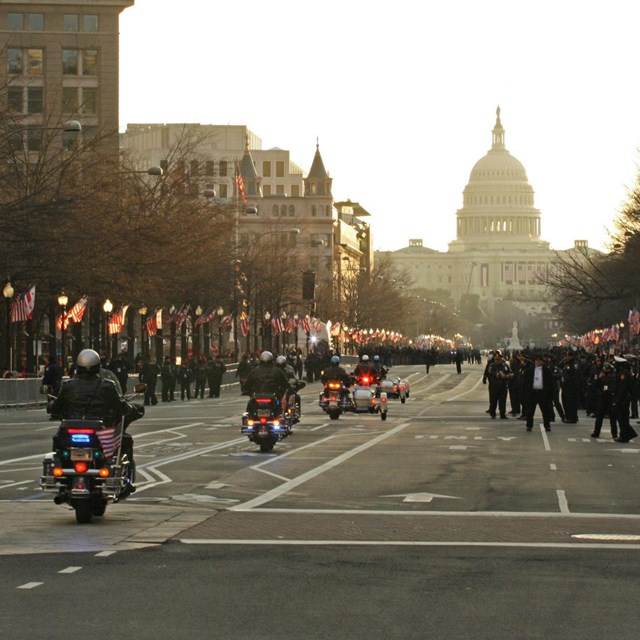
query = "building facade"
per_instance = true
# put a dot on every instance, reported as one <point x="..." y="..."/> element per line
<point x="498" y="254"/>
<point x="60" y="63"/>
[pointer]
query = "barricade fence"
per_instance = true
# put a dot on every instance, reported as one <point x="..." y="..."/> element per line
<point x="25" y="392"/>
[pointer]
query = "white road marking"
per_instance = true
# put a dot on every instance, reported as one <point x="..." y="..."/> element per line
<point x="553" y="467"/>
<point x="562" y="501"/>
<point x="408" y="543"/>
<point x="70" y="570"/>
<point x="105" y="554"/>
<point x="420" y="497"/>
<point x="606" y="536"/>
<point x="313" y="473"/>
<point x="30" y="585"/>
<point x="15" y="484"/>
<point x="545" y="439"/>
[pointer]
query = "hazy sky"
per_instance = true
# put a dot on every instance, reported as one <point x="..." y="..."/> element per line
<point x="402" y="97"/>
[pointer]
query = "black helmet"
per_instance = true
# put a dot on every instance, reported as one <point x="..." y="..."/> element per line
<point x="88" y="361"/>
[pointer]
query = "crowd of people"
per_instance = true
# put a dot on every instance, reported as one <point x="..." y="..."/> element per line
<point x="563" y="383"/>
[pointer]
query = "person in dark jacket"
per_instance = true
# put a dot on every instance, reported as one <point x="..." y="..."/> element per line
<point x="88" y="395"/>
<point x="200" y="375"/>
<point x="537" y="389"/>
<point x="570" y="388"/>
<point x="149" y="373"/>
<point x="604" y="386"/>
<point x="185" y="377"/>
<point x="120" y="367"/>
<point x="266" y="378"/>
<point x="243" y="371"/>
<point x="168" y="377"/>
<point x="622" y="400"/>
<point x="498" y="373"/>
<point x="215" y="371"/>
<point x="52" y="376"/>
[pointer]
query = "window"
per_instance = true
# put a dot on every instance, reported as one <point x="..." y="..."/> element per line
<point x="34" y="139"/>
<point x="14" y="61"/>
<point x="295" y="191"/>
<point x="35" y="99"/>
<point x="194" y="168"/>
<point x="266" y="169"/>
<point x="274" y="210"/>
<point x="292" y="211"/>
<point x="280" y="189"/>
<point x="71" y="22"/>
<point x="89" y="100"/>
<point x="70" y="62"/>
<point x="69" y="100"/>
<point x="35" y="62"/>
<point x="266" y="190"/>
<point x="15" y="22"/>
<point x="279" y="169"/>
<point x="224" y="191"/>
<point x="14" y="99"/>
<point x="36" y="22"/>
<point x="314" y="210"/>
<point x="223" y="168"/>
<point x="90" y="62"/>
<point x="209" y="168"/>
<point x="164" y="165"/>
<point x="90" y="23"/>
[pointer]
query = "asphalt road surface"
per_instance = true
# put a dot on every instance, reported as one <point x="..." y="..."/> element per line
<point x="436" y="523"/>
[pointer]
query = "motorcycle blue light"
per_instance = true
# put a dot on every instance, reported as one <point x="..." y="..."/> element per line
<point x="80" y="438"/>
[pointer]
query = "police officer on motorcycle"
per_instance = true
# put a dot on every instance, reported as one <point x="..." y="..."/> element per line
<point x="293" y="384"/>
<point x="364" y="367"/>
<point x="266" y="378"/>
<point x="89" y="395"/>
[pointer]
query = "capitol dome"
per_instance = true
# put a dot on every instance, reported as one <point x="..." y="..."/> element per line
<point x="498" y="203"/>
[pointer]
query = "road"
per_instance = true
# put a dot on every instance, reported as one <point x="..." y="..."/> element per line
<point x="438" y="522"/>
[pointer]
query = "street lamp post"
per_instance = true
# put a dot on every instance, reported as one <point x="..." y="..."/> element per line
<point x="8" y="292"/>
<point x="107" y="307"/>
<point x="267" y="331"/>
<point x="219" y="313"/>
<point x="144" y="346"/>
<point x="195" y="335"/>
<point x="63" y="300"/>
<point x="296" y="317"/>
<point x="283" y="317"/>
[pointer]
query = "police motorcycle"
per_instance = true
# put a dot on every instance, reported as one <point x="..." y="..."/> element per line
<point x="264" y="423"/>
<point x="89" y="468"/>
<point x="394" y="388"/>
<point x="291" y="405"/>
<point x="368" y="397"/>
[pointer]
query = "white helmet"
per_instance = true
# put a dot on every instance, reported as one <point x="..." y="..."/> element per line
<point x="88" y="361"/>
<point x="365" y="358"/>
<point x="266" y="356"/>
<point x="280" y="360"/>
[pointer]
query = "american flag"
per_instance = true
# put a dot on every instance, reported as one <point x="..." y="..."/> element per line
<point x="245" y="325"/>
<point x="290" y="325"/>
<point x="116" y="320"/>
<point x="206" y="317"/>
<point x="240" y="184"/>
<point x="227" y="321"/>
<point x="278" y="325"/>
<point x="22" y="306"/>
<point x="75" y="314"/>
<point x="110" y="438"/>
<point x="181" y="316"/>
<point x="152" y="325"/>
<point x="306" y="324"/>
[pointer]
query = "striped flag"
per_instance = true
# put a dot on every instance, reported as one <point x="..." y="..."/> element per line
<point x="306" y="324"/>
<point x="116" y="320"/>
<point x="227" y="321"/>
<point x="76" y="313"/>
<point x="110" y="438"/>
<point x="290" y="325"/>
<point x="278" y="325"/>
<point x="22" y="306"/>
<point x="152" y="325"/>
<point x="240" y="184"/>
<point x="181" y="316"/>
<point x="206" y="317"/>
<point x="245" y="326"/>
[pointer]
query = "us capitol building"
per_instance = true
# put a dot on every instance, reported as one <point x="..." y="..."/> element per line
<point x="498" y="254"/>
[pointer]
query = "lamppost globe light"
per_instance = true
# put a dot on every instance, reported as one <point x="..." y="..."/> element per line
<point x="267" y="316"/>
<point x="283" y="315"/>
<point x="107" y="307"/>
<point x="219" y="311"/>
<point x="63" y="299"/>
<point x="72" y="126"/>
<point x="8" y="291"/>
<point x="198" y="310"/>
<point x="142" y="310"/>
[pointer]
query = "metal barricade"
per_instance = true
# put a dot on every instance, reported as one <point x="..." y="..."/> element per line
<point x="21" y="392"/>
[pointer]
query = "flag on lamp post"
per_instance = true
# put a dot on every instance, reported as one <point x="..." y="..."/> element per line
<point x="22" y="306"/>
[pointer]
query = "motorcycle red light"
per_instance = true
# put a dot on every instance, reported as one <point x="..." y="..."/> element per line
<point x="104" y="472"/>
<point x="365" y="380"/>
<point x="80" y="467"/>
<point x="57" y="472"/>
<point x="85" y="431"/>
<point x="263" y="400"/>
<point x="263" y="420"/>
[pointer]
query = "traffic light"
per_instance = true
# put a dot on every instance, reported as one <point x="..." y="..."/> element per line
<point x="308" y="285"/>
